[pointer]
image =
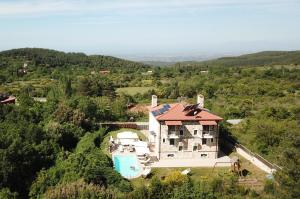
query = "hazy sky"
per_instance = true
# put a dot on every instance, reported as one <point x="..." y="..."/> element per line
<point x="151" y="27"/>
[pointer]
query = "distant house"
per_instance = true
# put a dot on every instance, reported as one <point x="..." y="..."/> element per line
<point x="23" y="70"/>
<point x="6" y="99"/>
<point x="234" y="121"/>
<point x="181" y="131"/>
<point x="149" y="72"/>
<point x="104" y="72"/>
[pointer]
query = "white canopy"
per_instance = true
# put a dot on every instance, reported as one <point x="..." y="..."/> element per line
<point x="142" y="150"/>
<point x="126" y="142"/>
<point x="127" y="135"/>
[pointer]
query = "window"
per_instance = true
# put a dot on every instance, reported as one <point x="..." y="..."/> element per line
<point x="203" y="155"/>
<point x="164" y="140"/>
<point x="212" y="140"/>
<point x="172" y="141"/>
<point x="171" y="128"/>
<point x="181" y="132"/>
<point x="180" y="148"/>
<point x="204" y="141"/>
<point x="205" y="128"/>
<point x="195" y="132"/>
<point x="195" y="148"/>
<point x="170" y="155"/>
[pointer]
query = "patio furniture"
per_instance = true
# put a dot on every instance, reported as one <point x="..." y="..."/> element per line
<point x="131" y="148"/>
<point x="146" y="172"/>
<point x="145" y="161"/>
<point x="141" y="150"/>
<point x="142" y="157"/>
<point x="121" y="149"/>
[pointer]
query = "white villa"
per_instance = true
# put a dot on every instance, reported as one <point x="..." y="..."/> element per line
<point x="180" y="131"/>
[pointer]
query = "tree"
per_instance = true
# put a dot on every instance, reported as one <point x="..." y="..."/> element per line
<point x="78" y="189"/>
<point x="7" y="194"/>
<point x="68" y="87"/>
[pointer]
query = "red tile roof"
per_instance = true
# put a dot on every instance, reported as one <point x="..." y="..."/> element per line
<point x="177" y="113"/>
<point x="9" y="100"/>
<point x="173" y="123"/>
<point x="208" y="123"/>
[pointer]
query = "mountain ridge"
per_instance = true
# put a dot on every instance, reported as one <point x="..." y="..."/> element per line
<point x="253" y="59"/>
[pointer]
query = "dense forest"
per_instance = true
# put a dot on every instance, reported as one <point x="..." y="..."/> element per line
<point x="51" y="149"/>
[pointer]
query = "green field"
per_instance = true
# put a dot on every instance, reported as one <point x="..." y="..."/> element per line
<point x="39" y="85"/>
<point x="134" y="90"/>
<point x="195" y="174"/>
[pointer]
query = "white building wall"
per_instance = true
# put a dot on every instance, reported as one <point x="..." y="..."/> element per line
<point x="154" y="126"/>
<point x="189" y="140"/>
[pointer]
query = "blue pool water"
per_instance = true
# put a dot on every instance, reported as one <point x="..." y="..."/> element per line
<point x="124" y="165"/>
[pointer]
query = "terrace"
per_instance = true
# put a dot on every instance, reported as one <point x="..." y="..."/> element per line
<point x="130" y="152"/>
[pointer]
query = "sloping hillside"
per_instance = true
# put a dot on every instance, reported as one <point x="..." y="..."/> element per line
<point x="255" y="59"/>
<point x="52" y="58"/>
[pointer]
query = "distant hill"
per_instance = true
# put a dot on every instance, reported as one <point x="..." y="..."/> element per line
<point x="158" y="63"/>
<point x="53" y="58"/>
<point x="255" y="59"/>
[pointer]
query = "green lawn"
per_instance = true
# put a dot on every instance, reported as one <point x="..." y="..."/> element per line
<point x="105" y="143"/>
<point x="133" y="90"/>
<point x="198" y="174"/>
<point x="195" y="174"/>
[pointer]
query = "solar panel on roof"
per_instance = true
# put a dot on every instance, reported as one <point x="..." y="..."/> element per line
<point x="160" y="111"/>
<point x="155" y="113"/>
<point x="167" y="106"/>
<point x="164" y="109"/>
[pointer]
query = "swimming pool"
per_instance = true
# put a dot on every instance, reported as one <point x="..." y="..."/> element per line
<point x="127" y="166"/>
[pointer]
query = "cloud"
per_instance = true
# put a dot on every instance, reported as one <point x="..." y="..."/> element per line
<point x="37" y="7"/>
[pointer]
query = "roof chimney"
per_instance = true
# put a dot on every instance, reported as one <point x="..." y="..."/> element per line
<point x="200" y="100"/>
<point x="154" y="101"/>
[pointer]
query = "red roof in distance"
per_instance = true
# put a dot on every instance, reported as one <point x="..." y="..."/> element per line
<point x="9" y="100"/>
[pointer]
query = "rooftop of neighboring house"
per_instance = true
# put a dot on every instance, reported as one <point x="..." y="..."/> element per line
<point x="183" y="112"/>
<point x="6" y="99"/>
<point x="104" y="71"/>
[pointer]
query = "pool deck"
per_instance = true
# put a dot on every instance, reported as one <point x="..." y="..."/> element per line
<point x="204" y="162"/>
<point x="222" y="161"/>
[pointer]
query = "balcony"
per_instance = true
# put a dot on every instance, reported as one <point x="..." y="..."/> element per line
<point x="198" y="135"/>
<point x="172" y="135"/>
<point x="208" y="134"/>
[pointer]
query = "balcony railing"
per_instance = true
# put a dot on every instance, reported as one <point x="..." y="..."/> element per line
<point x="173" y="135"/>
<point x="208" y="132"/>
<point x="205" y="134"/>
